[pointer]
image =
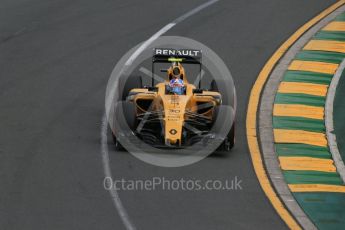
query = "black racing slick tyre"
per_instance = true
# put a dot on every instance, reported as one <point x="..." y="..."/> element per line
<point x="117" y="144"/>
<point x="127" y="110"/>
<point x="232" y="136"/>
<point x="132" y="82"/>
<point x="213" y="86"/>
<point x="125" y="114"/>
<point x="130" y="114"/>
<point x="229" y="140"/>
<point x="220" y="87"/>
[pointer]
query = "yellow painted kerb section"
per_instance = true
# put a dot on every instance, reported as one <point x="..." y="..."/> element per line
<point x="292" y="110"/>
<point x="326" y="45"/>
<point x="299" y="137"/>
<point x="313" y="66"/>
<point x="335" y="26"/>
<point x="305" y="88"/>
<point x="307" y="164"/>
<point x="316" y="188"/>
<point x="252" y="111"/>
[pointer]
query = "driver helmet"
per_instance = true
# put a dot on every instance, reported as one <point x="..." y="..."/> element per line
<point x="176" y="83"/>
<point x="177" y="70"/>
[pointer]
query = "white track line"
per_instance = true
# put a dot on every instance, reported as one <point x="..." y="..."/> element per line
<point x="104" y="139"/>
<point x="107" y="171"/>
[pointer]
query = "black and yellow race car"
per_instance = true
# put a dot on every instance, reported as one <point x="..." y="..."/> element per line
<point x="173" y="113"/>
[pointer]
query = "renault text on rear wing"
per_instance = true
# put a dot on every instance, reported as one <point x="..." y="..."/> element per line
<point x="173" y="55"/>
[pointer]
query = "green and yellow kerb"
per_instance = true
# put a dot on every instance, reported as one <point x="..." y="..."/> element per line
<point x="299" y="127"/>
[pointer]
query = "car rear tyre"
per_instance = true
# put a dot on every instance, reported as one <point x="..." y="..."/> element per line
<point x="214" y="86"/>
<point x="229" y="140"/>
<point x="132" y="82"/>
<point x="126" y="113"/>
<point x="130" y="114"/>
<point x="117" y="144"/>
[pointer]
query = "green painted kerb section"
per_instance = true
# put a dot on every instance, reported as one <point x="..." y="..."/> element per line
<point x="307" y="77"/>
<point x="301" y="99"/>
<point x="330" y="35"/>
<point x="299" y="123"/>
<point x="326" y="210"/>
<point x="320" y="56"/>
<point x="312" y="177"/>
<point x="302" y="150"/>
<point x="340" y="17"/>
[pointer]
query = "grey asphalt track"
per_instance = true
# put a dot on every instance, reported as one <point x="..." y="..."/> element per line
<point x="55" y="60"/>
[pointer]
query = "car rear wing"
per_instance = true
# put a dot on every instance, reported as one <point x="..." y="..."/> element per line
<point x="167" y="55"/>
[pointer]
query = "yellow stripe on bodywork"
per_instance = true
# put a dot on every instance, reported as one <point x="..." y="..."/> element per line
<point x="299" y="137"/>
<point x="306" y="111"/>
<point x="335" y="26"/>
<point x="301" y="87"/>
<point x="307" y="164"/>
<point x="316" y="188"/>
<point x="326" y="45"/>
<point x="313" y="66"/>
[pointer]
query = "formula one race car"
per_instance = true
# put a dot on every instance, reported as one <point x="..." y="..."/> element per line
<point x="172" y="113"/>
